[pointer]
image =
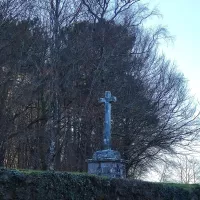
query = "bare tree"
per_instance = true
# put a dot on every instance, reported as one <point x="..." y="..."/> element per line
<point x="66" y="55"/>
<point x="181" y="169"/>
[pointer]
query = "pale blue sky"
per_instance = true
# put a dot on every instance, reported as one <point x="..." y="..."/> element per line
<point x="182" y="19"/>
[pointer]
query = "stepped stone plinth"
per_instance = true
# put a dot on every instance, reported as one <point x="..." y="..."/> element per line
<point x="107" y="163"/>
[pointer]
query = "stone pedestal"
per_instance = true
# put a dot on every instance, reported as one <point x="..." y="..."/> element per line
<point x="107" y="163"/>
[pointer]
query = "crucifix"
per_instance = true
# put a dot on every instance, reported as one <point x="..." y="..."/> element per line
<point x="107" y="124"/>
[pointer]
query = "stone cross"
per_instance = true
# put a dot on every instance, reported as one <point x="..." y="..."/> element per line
<point x="107" y="124"/>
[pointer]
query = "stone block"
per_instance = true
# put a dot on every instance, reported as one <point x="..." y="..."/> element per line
<point x="107" y="163"/>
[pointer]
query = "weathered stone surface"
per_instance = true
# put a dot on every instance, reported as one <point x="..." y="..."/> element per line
<point x="111" y="169"/>
<point x="107" y="154"/>
<point x="107" y="162"/>
<point x="107" y="100"/>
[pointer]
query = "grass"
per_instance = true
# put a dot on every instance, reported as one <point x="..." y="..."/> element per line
<point x="181" y="185"/>
<point x="30" y="171"/>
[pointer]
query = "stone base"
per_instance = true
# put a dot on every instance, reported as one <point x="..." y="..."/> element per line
<point x="107" y="163"/>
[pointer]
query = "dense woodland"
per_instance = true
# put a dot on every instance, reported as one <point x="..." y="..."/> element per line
<point x="57" y="57"/>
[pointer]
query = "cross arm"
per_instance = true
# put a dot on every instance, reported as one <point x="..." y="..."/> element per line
<point x="102" y="100"/>
<point x="113" y="99"/>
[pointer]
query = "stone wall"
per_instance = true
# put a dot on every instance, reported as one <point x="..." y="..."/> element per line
<point x="15" y="185"/>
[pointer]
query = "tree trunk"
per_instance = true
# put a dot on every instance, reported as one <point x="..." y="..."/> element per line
<point x="2" y="157"/>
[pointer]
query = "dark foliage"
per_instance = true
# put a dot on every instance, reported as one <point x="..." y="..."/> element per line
<point x="56" y="186"/>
